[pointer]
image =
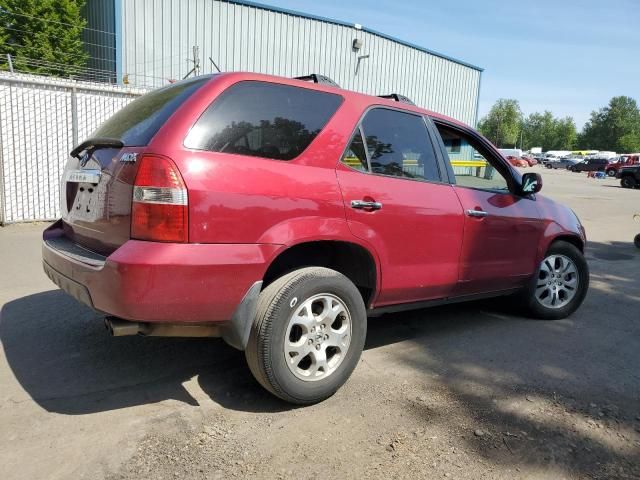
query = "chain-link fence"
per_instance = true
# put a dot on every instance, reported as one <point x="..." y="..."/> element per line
<point x="41" y="119"/>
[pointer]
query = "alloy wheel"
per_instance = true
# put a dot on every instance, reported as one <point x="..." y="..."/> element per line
<point x="317" y="337"/>
<point x="557" y="281"/>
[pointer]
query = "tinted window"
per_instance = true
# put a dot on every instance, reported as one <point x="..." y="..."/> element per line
<point x="470" y="163"/>
<point x="263" y="120"/>
<point x="140" y="120"/>
<point x="398" y="144"/>
<point x="355" y="156"/>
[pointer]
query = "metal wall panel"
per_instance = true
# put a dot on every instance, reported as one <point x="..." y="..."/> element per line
<point x="99" y="37"/>
<point x="158" y="36"/>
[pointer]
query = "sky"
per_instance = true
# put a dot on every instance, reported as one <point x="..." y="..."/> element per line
<point x="566" y="56"/>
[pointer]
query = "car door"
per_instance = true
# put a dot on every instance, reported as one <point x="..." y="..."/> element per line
<point x="502" y="230"/>
<point x="396" y="200"/>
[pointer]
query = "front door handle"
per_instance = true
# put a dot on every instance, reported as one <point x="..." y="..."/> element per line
<point x="477" y="213"/>
<point x="362" y="205"/>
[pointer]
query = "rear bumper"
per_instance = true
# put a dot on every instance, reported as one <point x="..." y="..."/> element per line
<point x="158" y="282"/>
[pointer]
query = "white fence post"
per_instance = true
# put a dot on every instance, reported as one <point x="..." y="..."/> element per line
<point x="74" y="116"/>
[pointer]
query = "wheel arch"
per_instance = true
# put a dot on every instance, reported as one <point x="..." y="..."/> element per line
<point x="575" y="240"/>
<point x="353" y="260"/>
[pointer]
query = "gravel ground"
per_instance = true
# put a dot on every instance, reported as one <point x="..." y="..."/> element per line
<point x="466" y="391"/>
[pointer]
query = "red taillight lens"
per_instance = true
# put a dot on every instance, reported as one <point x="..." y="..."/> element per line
<point x="160" y="210"/>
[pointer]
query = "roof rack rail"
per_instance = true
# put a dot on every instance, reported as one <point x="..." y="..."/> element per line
<point x="398" y="98"/>
<point x="315" y="78"/>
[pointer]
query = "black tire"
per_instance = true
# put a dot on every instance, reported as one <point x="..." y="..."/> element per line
<point x="636" y="240"/>
<point x="611" y="172"/>
<point x="265" y="352"/>
<point x="534" y="308"/>
<point x="628" y="182"/>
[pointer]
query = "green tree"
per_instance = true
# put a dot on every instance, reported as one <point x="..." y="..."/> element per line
<point x="503" y="123"/>
<point x="550" y="133"/>
<point x="615" y="127"/>
<point x="43" y="36"/>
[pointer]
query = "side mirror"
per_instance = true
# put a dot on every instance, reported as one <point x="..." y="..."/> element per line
<point x="531" y="183"/>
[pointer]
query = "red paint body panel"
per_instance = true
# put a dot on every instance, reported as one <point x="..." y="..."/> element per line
<point x="499" y="251"/>
<point x="417" y="233"/>
<point x="244" y="211"/>
<point x="158" y="282"/>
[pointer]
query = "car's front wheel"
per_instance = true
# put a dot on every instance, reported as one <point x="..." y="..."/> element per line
<point x="560" y="284"/>
<point x="611" y="172"/>
<point x="308" y="334"/>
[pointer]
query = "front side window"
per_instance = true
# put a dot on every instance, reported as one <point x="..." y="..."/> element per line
<point x="263" y="119"/>
<point x="470" y="162"/>
<point x="398" y="144"/>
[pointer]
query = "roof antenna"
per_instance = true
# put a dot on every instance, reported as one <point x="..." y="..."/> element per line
<point x="214" y="64"/>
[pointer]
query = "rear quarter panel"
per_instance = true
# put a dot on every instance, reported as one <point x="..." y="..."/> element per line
<point x="245" y="199"/>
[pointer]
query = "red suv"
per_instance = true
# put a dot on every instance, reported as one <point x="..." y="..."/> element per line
<point x="279" y="213"/>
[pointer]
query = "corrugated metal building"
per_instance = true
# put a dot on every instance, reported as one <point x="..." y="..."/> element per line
<point x="150" y="42"/>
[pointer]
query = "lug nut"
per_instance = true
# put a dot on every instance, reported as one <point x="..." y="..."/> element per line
<point x="318" y="347"/>
<point x="310" y="342"/>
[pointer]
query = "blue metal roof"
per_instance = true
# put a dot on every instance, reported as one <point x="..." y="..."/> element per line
<point x="351" y="25"/>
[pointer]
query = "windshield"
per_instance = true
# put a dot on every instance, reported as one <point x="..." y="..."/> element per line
<point x="137" y="123"/>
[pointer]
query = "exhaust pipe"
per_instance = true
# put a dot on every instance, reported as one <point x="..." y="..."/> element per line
<point x="121" y="328"/>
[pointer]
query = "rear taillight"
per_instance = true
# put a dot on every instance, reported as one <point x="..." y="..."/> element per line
<point x="160" y="205"/>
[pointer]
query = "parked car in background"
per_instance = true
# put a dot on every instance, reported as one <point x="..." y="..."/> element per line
<point x="604" y="154"/>
<point x="517" y="161"/>
<point x="552" y="157"/>
<point x="279" y="214"/>
<point x="622" y="161"/>
<point x="513" y="152"/>
<point x="563" y="163"/>
<point x="531" y="161"/>
<point x="629" y="176"/>
<point x="590" y="165"/>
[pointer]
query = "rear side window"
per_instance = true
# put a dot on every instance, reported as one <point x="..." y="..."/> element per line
<point x="356" y="156"/>
<point x="263" y="119"/>
<point x="141" y="119"/>
<point x="398" y="144"/>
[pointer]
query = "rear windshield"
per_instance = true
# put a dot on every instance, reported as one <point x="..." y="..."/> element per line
<point x="141" y="119"/>
<point x="263" y="119"/>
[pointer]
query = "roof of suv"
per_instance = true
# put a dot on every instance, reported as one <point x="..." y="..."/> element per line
<point x="370" y="99"/>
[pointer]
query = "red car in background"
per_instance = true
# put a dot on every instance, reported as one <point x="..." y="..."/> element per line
<point x="624" y="161"/>
<point x="517" y="161"/>
<point x="530" y="160"/>
<point x="279" y="214"/>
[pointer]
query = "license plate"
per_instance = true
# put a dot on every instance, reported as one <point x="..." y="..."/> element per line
<point x="84" y="176"/>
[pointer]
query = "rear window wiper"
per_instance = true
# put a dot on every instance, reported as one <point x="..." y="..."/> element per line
<point x="92" y="144"/>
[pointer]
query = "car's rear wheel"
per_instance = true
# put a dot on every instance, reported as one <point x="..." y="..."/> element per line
<point x="560" y="284"/>
<point x="628" y="182"/>
<point x="611" y="172"/>
<point x="308" y="334"/>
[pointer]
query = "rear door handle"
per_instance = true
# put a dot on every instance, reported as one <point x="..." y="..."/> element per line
<point x="477" y="213"/>
<point x="362" y="205"/>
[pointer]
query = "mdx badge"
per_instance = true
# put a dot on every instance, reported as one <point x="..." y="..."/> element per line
<point x="130" y="157"/>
